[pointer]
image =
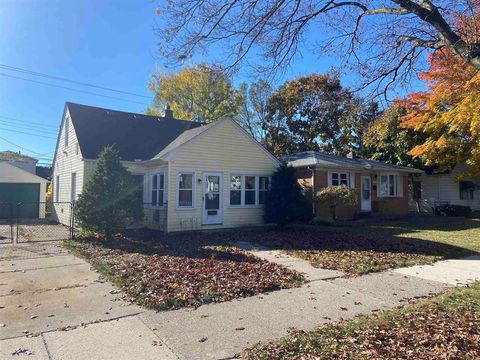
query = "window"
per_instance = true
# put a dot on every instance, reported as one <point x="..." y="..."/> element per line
<point x="340" y="179"/>
<point x="467" y="190"/>
<point x="77" y="149"/>
<point x="263" y="187"/>
<point x="158" y="189"/>
<point x="235" y="190"/>
<point x="388" y="185"/>
<point x="73" y="188"/>
<point x="185" y="190"/>
<point x="57" y="188"/>
<point x="66" y="132"/>
<point x="248" y="190"/>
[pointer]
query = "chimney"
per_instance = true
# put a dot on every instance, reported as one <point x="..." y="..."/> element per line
<point x="168" y="112"/>
<point x="351" y="155"/>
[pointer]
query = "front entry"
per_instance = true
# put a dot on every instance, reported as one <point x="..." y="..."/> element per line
<point x="212" y="212"/>
<point x="366" y="193"/>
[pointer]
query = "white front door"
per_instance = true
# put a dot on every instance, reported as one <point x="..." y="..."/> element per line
<point x="366" y="193"/>
<point x="212" y="212"/>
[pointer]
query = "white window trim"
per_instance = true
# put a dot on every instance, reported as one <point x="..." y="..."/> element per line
<point x="242" y="205"/>
<point x="397" y="184"/>
<point x="150" y="182"/>
<point x="57" y="188"/>
<point x="339" y="172"/>
<point x="177" y="190"/>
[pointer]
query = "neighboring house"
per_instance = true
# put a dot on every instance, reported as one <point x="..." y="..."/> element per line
<point x="383" y="187"/>
<point x="448" y="188"/>
<point x="22" y="161"/>
<point x="22" y="193"/>
<point x="192" y="176"/>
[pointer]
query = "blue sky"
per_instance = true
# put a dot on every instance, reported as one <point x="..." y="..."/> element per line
<point x="103" y="42"/>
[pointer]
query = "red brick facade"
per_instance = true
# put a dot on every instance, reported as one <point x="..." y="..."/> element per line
<point x="380" y="205"/>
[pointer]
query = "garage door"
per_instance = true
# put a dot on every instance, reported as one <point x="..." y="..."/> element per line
<point x="14" y="193"/>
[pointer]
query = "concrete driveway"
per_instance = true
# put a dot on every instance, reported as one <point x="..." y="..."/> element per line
<point x="53" y="306"/>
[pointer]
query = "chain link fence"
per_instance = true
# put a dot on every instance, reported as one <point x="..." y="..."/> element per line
<point x="35" y="222"/>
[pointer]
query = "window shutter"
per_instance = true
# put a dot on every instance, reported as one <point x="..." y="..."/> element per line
<point x="329" y="179"/>
<point x="352" y="180"/>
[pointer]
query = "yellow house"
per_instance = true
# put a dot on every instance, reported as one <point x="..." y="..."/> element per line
<point x="192" y="176"/>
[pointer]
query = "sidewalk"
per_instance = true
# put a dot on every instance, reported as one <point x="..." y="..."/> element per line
<point x="102" y="326"/>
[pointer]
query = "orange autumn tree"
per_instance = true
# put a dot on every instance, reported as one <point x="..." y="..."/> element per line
<point x="449" y="112"/>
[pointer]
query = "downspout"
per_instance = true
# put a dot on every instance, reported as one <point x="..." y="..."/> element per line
<point x="313" y="189"/>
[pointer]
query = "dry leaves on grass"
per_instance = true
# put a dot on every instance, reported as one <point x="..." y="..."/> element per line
<point x="189" y="277"/>
<point x="352" y="253"/>
<point x="431" y="331"/>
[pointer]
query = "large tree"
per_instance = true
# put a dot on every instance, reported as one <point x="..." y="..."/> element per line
<point x="315" y="113"/>
<point x="384" y="140"/>
<point x="254" y="107"/>
<point x="203" y="93"/>
<point x="448" y="114"/>
<point x="383" y="39"/>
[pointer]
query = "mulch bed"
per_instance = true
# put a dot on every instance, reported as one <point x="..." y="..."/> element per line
<point x="178" y="271"/>
<point x="445" y="328"/>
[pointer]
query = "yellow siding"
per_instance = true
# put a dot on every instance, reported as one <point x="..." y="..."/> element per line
<point x="225" y="149"/>
<point x="67" y="161"/>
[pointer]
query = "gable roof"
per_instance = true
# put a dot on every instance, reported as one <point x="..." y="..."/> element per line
<point x="136" y="136"/>
<point x="315" y="158"/>
<point x="192" y="134"/>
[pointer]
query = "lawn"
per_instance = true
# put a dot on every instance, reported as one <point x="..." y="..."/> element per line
<point x="377" y="246"/>
<point x="164" y="273"/>
<point x="445" y="327"/>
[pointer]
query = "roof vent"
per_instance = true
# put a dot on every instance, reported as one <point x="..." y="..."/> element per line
<point x="168" y="112"/>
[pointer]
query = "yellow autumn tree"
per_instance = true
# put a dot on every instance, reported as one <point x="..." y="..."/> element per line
<point x="448" y="112"/>
<point x="201" y="92"/>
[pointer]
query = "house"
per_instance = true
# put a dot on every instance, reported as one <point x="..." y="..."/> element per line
<point x="22" y="193"/>
<point x="191" y="175"/>
<point x="383" y="187"/>
<point x="448" y="188"/>
<point x="19" y="160"/>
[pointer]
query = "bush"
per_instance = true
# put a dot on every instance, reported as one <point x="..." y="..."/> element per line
<point x="452" y="210"/>
<point x="285" y="201"/>
<point x="109" y="202"/>
<point x="337" y="195"/>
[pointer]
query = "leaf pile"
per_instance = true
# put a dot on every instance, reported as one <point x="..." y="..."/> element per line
<point x="168" y="273"/>
<point x="447" y="327"/>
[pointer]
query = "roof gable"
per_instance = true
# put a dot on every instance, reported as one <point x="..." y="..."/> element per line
<point x="136" y="136"/>
<point x="12" y="173"/>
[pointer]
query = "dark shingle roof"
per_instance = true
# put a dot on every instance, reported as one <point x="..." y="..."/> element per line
<point x="136" y="136"/>
<point x="310" y="158"/>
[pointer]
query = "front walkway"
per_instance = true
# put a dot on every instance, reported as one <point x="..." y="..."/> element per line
<point x="67" y="312"/>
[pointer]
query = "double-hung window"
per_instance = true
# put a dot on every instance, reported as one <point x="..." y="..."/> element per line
<point x="57" y="188"/>
<point x="248" y="190"/>
<point x="339" y="179"/>
<point x="235" y="190"/>
<point x="158" y="189"/>
<point x="263" y="187"/>
<point x="66" y="129"/>
<point x="185" y="190"/>
<point x="388" y="185"/>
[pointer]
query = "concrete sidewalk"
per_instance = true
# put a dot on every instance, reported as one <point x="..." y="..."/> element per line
<point x="53" y="306"/>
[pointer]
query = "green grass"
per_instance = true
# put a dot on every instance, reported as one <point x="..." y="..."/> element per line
<point x="447" y="326"/>
<point x="380" y="246"/>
